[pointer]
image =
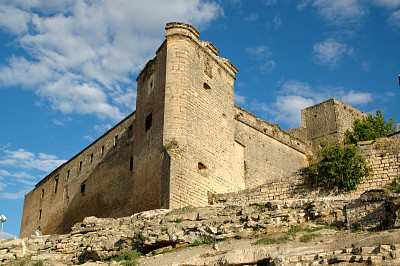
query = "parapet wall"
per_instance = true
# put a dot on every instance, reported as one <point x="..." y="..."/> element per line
<point x="384" y="158"/>
<point x="269" y="152"/>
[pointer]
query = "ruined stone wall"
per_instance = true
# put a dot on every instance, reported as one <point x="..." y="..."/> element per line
<point x="383" y="155"/>
<point x="97" y="181"/>
<point x="269" y="152"/>
<point x="199" y="117"/>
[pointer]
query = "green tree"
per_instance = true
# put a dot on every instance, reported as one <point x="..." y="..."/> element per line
<point x="369" y="128"/>
<point x="339" y="166"/>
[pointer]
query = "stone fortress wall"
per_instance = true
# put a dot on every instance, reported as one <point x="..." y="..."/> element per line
<point x="382" y="154"/>
<point x="185" y="144"/>
<point x="96" y="180"/>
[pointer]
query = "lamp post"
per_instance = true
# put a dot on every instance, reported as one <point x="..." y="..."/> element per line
<point x="2" y="220"/>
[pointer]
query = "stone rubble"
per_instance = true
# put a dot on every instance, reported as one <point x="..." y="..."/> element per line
<point x="158" y="231"/>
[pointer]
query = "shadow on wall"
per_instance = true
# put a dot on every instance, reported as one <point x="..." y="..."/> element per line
<point x="107" y="191"/>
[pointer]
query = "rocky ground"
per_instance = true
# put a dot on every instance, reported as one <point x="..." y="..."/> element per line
<point x="291" y="232"/>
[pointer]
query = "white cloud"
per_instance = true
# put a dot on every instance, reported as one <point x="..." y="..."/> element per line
<point x="263" y="54"/>
<point x="354" y="98"/>
<point x="8" y="235"/>
<point x="330" y="52"/>
<point x="83" y="56"/>
<point x="28" y="160"/>
<point x="340" y="11"/>
<point x="387" y="3"/>
<point x="252" y="17"/>
<point x="239" y="99"/>
<point x="294" y="95"/>
<point x="270" y="2"/>
<point x="303" y="4"/>
<point x="13" y="19"/>
<point x="395" y="19"/>
<point x="102" y="128"/>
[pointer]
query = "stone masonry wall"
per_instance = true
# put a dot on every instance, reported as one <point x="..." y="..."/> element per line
<point x="269" y="152"/>
<point x="199" y="118"/>
<point x="148" y="190"/>
<point x="326" y="121"/>
<point x="383" y="155"/>
<point x="88" y="184"/>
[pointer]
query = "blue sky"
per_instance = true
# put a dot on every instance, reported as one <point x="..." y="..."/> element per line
<point x="68" y="68"/>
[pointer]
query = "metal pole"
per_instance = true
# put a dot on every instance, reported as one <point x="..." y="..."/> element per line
<point x="1" y="236"/>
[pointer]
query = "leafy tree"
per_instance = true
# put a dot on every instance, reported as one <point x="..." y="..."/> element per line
<point x="339" y="166"/>
<point x="369" y="128"/>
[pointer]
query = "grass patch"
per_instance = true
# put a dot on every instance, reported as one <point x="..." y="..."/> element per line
<point x="271" y="240"/>
<point x="141" y="236"/>
<point x="129" y="257"/>
<point x="178" y="220"/>
<point x="307" y="238"/>
<point x="307" y="204"/>
<point x="238" y="237"/>
<point x="394" y="186"/>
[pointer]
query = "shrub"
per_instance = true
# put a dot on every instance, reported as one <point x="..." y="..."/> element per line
<point x="339" y="167"/>
<point x="370" y="128"/>
<point x="394" y="186"/>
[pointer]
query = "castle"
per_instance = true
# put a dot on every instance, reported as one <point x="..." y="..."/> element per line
<point x="186" y="141"/>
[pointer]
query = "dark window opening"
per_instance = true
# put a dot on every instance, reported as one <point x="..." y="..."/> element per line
<point x="206" y="86"/>
<point x="91" y="158"/>
<point x="130" y="131"/>
<point x="83" y="187"/>
<point x="131" y="163"/>
<point x="149" y="121"/>
<point x="102" y="150"/>
<point x="42" y="195"/>
<point x="201" y="166"/>
<point x="116" y="140"/>
<point x="40" y="214"/>
<point x="67" y="175"/>
<point x="55" y="184"/>
<point x="80" y="166"/>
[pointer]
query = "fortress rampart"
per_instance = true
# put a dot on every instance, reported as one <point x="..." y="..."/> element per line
<point x="382" y="154"/>
<point x="188" y="144"/>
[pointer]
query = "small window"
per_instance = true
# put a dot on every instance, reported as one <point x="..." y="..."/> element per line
<point x="131" y="163"/>
<point x="130" y="131"/>
<point x="206" y="86"/>
<point x="83" y="187"/>
<point x="102" y="150"/>
<point x="116" y="140"/>
<point x="91" y="158"/>
<point x="80" y="166"/>
<point x="67" y="175"/>
<point x="40" y="214"/>
<point x="149" y="121"/>
<point x="201" y="166"/>
<point x="55" y="184"/>
<point x="42" y="194"/>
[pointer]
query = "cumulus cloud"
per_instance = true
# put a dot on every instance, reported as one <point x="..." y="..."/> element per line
<point x="294" y="95"/>
<point x="27" y="160"/>
<point x="16" y="182"/>
<point x="82" y="56"/>
<point x="330" y="52"/>
<point x="340" y="11"/>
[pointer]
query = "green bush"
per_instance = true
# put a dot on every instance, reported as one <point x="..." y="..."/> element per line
<point x="394" y="186"/>
<point x="370" y="128"/>
<point x="339" y="166"/>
